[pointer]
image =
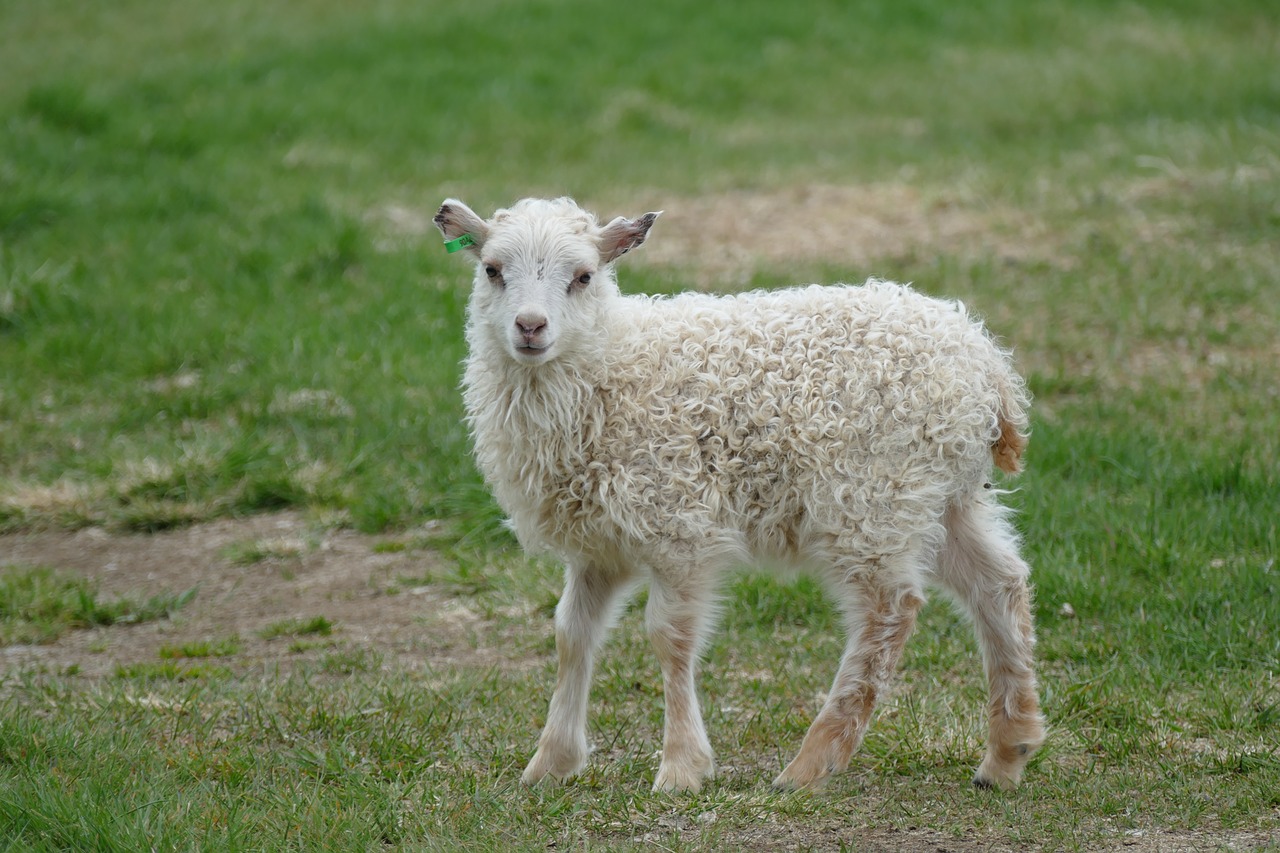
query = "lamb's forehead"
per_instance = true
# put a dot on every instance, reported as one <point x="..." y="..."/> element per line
<point x="545" y="229"/>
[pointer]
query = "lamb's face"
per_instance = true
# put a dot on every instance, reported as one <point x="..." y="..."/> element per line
<point x="543" y="274"/>
<point x="539" y="286"/>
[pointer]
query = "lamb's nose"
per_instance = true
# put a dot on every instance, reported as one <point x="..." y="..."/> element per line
<point x="530" y="324"/>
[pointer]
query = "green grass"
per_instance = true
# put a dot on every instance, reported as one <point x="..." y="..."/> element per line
<point x="317" y="625"/>
<point x="255" y="551"/>
<point x="169" y="671"/>
<point x="219" y="294"/>
<point x="225" y="647"/>
<point x="38" y="605"/>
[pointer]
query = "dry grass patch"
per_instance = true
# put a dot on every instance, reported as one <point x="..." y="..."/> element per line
<point x="63" y="501"/>
<point x="723" y="239"/>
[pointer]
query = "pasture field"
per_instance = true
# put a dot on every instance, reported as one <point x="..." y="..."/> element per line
<point x="252" y="592"/>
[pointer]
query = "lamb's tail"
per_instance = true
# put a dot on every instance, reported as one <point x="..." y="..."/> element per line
<point x="1009" y="447"/>
<point x="1012" y="423"/>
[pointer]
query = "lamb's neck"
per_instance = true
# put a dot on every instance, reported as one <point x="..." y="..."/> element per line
<point x="549" y="397"/>
<point x="516" y="410"/>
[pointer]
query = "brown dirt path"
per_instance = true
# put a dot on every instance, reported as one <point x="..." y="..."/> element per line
<point x="342" y="575"/>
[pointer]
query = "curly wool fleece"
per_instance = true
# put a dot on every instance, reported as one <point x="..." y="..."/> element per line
<point x="772" y="422"/>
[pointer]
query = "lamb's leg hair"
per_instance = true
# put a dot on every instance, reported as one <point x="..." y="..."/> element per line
<point x="679" y="615"/>
<point x="981" y="567"/>
<point x="880" y="604"/>
<point x="583" y="617"/>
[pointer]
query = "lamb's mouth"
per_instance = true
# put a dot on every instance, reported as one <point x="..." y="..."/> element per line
<point x="530" y="353"/>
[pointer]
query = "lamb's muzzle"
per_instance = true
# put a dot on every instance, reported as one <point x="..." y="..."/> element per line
<point x="848" y="428"/>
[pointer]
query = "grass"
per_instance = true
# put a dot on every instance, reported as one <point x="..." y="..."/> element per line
<point x="255" y="551"/>
<point x="220" y="294"/>
<point x="317" y="625"/>
<point x="38" y="605"/>
<point x="225" y="647"/>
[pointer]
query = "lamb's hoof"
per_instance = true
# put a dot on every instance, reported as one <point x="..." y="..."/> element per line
<point x="553" y="764"/>
<point x="1002" y="776"/>
<point x="803" y="775"/>
<point x="683" y="778"/>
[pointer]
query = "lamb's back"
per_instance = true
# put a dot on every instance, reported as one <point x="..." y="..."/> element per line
<point x="765" y="402"/>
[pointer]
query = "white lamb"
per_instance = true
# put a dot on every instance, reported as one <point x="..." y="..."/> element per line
<point x="847" y="429"/>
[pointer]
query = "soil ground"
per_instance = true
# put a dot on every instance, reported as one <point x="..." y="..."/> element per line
<point x="338" y="574"/>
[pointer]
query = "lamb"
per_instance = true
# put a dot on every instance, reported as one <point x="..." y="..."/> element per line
<point x="848" y="429"/>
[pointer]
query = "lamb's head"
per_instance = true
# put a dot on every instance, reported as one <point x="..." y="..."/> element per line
<point x="544" y="273"/>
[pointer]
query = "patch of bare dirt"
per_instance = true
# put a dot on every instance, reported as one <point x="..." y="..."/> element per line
<point x="338" y="574"/>
<point x="724" y="238"/>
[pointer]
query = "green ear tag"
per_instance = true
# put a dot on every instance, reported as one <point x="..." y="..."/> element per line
<point x="458" y="245"/>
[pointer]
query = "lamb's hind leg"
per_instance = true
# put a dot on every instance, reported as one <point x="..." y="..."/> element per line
<point x="980" y="565"/>
<point x="583" y="617"/>
<point x="880" y="613"/>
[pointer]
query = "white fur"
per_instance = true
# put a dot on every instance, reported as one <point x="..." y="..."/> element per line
<point x="847" y="428"/>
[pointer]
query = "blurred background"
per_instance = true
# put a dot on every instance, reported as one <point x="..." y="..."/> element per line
<point x="220" y="290"/>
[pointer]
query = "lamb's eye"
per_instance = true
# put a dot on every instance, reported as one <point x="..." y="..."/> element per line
<point x="581" y="281"/>
<point x="492" y="272"/>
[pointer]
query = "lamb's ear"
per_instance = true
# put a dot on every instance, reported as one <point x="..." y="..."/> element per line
<point x="461" y="227"/>
<point x="622" y="235"/>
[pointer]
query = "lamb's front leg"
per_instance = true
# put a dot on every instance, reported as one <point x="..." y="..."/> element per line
<point x="583" y="617"/>
<point x="678" y="617"/>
